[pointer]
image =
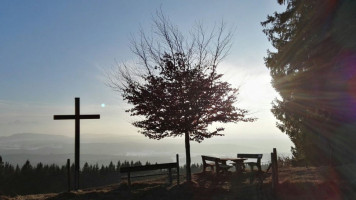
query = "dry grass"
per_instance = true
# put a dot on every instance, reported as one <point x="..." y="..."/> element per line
<point x="294" y="183"/>
<point x="316" y="183"/>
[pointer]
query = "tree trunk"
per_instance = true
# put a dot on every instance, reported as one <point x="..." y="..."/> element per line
<point x="187" y="155"/>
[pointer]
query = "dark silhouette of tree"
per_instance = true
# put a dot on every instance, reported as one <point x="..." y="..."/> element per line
<point x="313" y="71"/>
<point x="178" y="89"/>
<point x="111" y="167"/>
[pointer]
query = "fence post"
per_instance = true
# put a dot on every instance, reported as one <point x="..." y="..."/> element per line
<point x="177" y="157"/>
<point x="273" y="172"/>
<point x="276" y="162"/>
<point x="68" y="173"/>
<point x="274" y="169"/>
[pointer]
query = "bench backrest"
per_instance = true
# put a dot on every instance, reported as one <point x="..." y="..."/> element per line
<point x="247" y="155"/>
<point x="148" y="167"/>
<point x="168" y="166"/>
<point x="209" y="158"/>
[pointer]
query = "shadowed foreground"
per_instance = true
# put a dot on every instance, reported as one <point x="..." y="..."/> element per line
<point x="295" y="183"/>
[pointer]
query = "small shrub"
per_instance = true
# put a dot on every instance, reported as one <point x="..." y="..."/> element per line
<point x="284" y="161"/>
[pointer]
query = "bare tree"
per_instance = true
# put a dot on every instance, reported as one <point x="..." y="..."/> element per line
<point x="175" y="85"/>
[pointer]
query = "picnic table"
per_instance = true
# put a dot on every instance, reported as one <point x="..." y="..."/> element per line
<point x="220" y="164"/>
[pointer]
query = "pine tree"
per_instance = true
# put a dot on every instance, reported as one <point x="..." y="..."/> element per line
<point x="312" y="68"/>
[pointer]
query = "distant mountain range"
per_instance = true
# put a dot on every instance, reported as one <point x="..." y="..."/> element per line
<point x="32" y="142"/>
<point x="48" y="149"/>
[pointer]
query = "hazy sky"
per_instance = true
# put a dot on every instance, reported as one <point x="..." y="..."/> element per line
<point x="53" y="51"/>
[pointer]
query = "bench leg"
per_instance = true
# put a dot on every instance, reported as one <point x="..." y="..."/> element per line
<point x="239" y="167"/>
<point x="251" y="167"/>
<point x="206" y="166"/>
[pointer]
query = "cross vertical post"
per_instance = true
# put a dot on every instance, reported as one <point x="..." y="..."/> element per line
<point x="77" y="117"/>
<point x="68" y="174"/>
<point x="77" y="143"/>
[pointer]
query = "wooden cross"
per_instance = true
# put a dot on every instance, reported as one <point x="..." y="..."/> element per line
<point x="77" y="117"/>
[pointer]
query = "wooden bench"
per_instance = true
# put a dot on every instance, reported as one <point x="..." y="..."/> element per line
<point x="220" y="166"/>
<point x="258" y="158"/>
<point x="169" y="166"/>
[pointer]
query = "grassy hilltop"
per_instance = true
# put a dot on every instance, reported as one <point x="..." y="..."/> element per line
<point x="294" y="183"/>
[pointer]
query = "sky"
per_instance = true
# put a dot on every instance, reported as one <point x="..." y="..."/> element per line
<point x="54" y="51"/>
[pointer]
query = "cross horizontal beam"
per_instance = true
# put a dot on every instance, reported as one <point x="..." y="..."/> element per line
<point x="62" y="117"/>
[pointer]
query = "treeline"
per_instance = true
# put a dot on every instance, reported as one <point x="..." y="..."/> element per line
<point x="28" y="179"/>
